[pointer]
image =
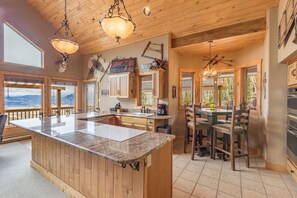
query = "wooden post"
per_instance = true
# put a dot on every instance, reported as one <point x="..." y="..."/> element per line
<point x="59" y="98"/>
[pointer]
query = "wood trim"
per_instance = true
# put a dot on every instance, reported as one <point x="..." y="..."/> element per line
<point x="276" y="167"/>
<point x="238" y="29"/>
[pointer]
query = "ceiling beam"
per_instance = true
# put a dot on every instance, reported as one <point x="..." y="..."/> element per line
<point x="238" y="29"/>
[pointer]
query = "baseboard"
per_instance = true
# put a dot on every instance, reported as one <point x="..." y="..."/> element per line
<point x="71" y="192"/>
<point x="276" y="167"/>
<point x="15" y="139"/>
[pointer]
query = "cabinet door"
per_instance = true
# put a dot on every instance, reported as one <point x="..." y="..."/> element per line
<point x="123" y="83"/>
<point x="155" y="76"/>
<point x="113" y="86"/>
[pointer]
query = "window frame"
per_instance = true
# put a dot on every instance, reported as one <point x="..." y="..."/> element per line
<point x="242" y="84"/>
<point x="28" y="40"/>
<point x="84" y="92"/>
<point x="196" y="84"/>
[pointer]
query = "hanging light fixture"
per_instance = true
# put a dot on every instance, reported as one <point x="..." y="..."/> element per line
<point x="209" y="71"/>
<point x="67" y="44"/>
<point x="115" y="24"/>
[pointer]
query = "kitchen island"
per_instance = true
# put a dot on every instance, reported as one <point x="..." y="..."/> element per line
<point x="91" y="159"/>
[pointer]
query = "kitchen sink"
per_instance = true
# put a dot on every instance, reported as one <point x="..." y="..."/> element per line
<point x="137" y="114"/>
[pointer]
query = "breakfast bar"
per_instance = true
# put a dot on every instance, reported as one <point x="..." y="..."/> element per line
<point x="91" y="159"/>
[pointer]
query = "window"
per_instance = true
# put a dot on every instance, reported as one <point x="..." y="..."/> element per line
<point x="207" y="91"/>
<point x="251" y="88"/>
<point x="63" y="96"/>
<point x="22" y="97"/>
<point x="219" y="92"/>
<point x="18" y="49"/>
<point x="187" y="88"/>
<point x="226" y="89"/>
<point x="146" y="90"/>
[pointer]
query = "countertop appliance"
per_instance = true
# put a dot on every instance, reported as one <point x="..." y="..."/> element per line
<point x="161" y="109"/>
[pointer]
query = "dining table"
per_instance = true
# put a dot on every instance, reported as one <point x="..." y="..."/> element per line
<point x="212" y="117"/>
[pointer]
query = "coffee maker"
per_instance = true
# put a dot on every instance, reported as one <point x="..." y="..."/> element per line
<point x="161" y="109"/>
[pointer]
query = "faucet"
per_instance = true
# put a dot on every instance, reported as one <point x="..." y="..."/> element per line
<point x="142" y="110"/>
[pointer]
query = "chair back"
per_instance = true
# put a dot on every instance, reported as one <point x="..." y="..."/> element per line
<point x="2" y="125"/>
<point x="189" y="113"/>
<point x="240" y="117"/>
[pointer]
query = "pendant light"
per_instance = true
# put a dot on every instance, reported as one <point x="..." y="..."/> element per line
<point x="209" y="71"/>
<point x="65" y="45"/>
<point x="115" y="24"/>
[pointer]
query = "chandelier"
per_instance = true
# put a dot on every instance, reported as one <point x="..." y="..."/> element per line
<point x="115" y="25"/>
<point x="65" y="45"/>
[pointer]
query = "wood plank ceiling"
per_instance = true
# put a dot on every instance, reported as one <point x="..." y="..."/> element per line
<point x="180" y="17"/>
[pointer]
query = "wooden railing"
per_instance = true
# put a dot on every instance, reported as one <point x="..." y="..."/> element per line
<point x="19" y="114"/>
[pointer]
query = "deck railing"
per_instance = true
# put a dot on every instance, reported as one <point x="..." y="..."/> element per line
<point x="20" y="114"/>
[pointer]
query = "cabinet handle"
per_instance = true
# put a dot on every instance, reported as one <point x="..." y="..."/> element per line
<point x="291" y="171"/>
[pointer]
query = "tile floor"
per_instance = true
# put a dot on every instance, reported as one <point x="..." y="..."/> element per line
<point x="207" y="178"/>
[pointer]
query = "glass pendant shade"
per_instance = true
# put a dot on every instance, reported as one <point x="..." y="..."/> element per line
<point x="118" y="27"/>
<point x="64" y="46"/>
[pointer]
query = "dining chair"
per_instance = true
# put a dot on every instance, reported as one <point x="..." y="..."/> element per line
<point x="238" y="126"/>
<point x="2" y="125"/>
<point x="195" y="123"/>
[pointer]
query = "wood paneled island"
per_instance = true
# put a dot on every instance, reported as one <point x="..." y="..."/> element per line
<point x="91" y="159"/>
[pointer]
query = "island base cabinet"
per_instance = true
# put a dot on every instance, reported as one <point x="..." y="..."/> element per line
<point x="82" y="174"/>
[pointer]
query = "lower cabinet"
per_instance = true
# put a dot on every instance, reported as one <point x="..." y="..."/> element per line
<point x="292" y="168"/>
<point x="141" y="123"/>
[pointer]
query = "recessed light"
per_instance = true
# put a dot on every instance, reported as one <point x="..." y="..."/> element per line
<point x="147" y="11"/>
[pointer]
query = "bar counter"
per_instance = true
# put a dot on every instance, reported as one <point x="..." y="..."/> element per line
<point x="91" y="159"/>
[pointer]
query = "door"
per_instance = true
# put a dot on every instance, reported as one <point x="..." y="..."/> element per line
<point x="90" y="94"/>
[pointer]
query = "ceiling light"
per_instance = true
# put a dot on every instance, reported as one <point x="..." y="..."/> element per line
<point x="147" y="11"/>
<point x="115" y="25"/>
<point x="67" y="44"/>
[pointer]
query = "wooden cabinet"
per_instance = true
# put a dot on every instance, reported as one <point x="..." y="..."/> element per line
<point x="292" y="79"/>
<point x="122" y="85"/>
<point x="292" y="168"/>
<point x="142" y="123"/>
<point x="158" y="82"/>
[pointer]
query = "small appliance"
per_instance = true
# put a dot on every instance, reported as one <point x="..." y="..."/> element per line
<point x="161" y="109"/>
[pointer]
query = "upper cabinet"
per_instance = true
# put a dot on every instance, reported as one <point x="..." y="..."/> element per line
<point x="292" y="79"/>
<point x="122" y="85"/>
<point x="151" y="87"/>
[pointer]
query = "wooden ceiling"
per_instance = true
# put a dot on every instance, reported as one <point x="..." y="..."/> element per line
<point x="180" y="17"/>
<point x="223" y="45"/>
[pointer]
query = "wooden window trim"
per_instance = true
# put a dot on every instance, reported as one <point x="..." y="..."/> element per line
<point x="196" y="84"/>
<point x="241" y="84"/>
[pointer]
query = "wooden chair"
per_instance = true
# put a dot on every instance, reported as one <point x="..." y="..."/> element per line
<point x="2" y="125"/>
<point x="194" y="123"/>
<point x="239" y="126"/>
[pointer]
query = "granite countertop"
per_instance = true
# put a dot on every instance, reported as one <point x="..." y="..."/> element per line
<point x="87" y="135"/>
<point x="85" y="116"/>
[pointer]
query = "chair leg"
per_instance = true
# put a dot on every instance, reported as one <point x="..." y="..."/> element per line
<point x="186" y="139"/>
<point x="232" y="152"/>
<point x="238" y="143"/>
<point x="213" y="144"/>
<point x="247" y="150"/>
<point x="193" y="144"/>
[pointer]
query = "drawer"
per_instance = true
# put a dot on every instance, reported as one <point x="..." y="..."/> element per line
<point x="134" y="120"/>
<point x="150" y="128"/>
<point x="292" y="168"/>
<point x="150" y="122"/>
